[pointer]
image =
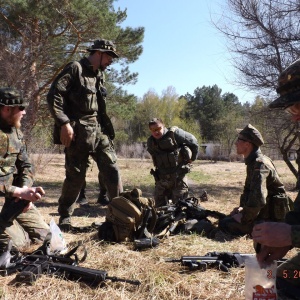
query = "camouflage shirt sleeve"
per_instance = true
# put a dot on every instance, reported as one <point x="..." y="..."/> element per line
<point x="24" y="168"/>
<point x="185" y="138"/>
<point x="16" y="169"/>
<point x="255" y="191"/>
<point x="58" y="93"/>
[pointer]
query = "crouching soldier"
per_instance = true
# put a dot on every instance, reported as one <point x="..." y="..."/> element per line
<point x="172" y="150"/>
<point x="16" y="178"/>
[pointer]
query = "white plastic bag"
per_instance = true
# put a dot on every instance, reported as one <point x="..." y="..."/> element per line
<point x="57" y="243"/>
<point x="260" y="283"/>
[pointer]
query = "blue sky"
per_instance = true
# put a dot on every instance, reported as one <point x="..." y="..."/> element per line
<point x="181" y="47"/>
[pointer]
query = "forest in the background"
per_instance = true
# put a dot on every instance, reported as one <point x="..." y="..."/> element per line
<point x="38" y="38"/>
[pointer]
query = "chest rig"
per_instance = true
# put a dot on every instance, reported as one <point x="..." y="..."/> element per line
<point x="166" y="152"/>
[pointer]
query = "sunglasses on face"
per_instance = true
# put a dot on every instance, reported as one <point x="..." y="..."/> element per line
<point x="21" y="108"/>
<point x="156" y="129"/>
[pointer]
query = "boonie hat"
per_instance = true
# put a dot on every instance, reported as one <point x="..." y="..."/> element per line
<point x="288" y="87"/>
<point x="252" y="135"/>
<point x="104" y="46"/>
<point x="11" y="97"/>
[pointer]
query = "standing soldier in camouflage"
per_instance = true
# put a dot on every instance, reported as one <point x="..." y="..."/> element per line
<point x="16" y="177"/>
<point x="264" y="196"/>
<point x="172" y="150"/>
<point x="278" y="238"/>
<point x="76" y="101"/>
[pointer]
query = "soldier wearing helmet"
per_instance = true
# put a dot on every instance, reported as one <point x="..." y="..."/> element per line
<point x="264" y="197"/>
<point x="172" y="150"/>
<point x="77" y="102"/>
<point x="16" y="177"/>
<point x="276" y="239"/>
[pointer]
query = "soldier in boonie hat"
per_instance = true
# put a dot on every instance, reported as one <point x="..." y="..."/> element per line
<point x="104" y="46"/>
<point x="11" y="97"/>
<point x="288" y="87"/>
<point x="252" y="135"/>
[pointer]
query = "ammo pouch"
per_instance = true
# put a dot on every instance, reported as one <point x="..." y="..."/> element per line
<point x="129" y="215"/>
<point x="279" y="206"/>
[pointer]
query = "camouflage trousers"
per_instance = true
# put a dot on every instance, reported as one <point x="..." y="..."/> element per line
<point x="231" y="226"/>
<point x="170" y="187"/>
<point x="27" y="227"/>
<point x="89" y="141"/>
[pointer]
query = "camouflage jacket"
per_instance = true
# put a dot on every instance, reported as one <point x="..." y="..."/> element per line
<point x="15" y="167"/>
<point x="262" y="183"/>
<point x="165" y="151"/>
<point x="78" y="93"/>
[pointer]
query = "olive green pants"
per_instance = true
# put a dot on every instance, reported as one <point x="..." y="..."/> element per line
<point x="170" y="187"/>
<point x="90" y="141"/>
<point x="27" y="227"/>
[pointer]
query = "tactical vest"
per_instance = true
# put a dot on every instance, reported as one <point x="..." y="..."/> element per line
<point x="166" y="152"/>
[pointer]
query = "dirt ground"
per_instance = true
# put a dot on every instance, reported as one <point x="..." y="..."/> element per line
<point x="223" y="182"/>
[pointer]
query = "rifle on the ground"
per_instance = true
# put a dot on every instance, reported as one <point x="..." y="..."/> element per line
<point x="30" y="267"/>
<point x="221" y="260"/>
<point x="194" y="210"/>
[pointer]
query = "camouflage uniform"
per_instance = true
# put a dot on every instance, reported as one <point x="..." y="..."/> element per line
<point x="77" y="96"/>
<point x="16" y="171"/>
<point x="288" y="273"/>
<point x="171" y="182"/>
<point x="263" y="198"/>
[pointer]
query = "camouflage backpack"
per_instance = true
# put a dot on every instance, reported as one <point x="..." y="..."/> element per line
<point x="130" y="215"/>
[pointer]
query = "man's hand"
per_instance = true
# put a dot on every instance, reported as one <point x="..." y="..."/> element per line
<point x="272" y="234"/>
<point x="238" y="217"/>
<point x="31" y="194"/>
<point x="267" y="254"/>
<point x="67" y="135"/>
<point x="28" y="207"/>
<point x="236" y="210"/>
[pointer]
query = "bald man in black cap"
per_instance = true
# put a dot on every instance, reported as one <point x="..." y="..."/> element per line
<point x="264" y="196"/>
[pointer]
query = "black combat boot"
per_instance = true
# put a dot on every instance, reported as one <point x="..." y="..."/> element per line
<point x="64" y="224"/>
<point x="102" y="198"/>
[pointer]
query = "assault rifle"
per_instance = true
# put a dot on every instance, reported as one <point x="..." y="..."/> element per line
<point x="30" y="267"/>
<point x="195" y="211"/>
<point x="221" y="260"/>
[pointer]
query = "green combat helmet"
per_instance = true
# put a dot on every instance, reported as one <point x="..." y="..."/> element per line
<point x="104" y="46"/>
<point x="11" y="97"/>
<point x="288" y="87"/>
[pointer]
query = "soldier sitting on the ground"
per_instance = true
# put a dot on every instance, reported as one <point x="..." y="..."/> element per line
<point x="264" y="197"/>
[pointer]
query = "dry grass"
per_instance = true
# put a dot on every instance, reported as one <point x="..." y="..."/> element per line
<point x="160" y="280"/>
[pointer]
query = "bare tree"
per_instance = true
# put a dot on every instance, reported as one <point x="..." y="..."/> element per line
<point x="263" y="38"/>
